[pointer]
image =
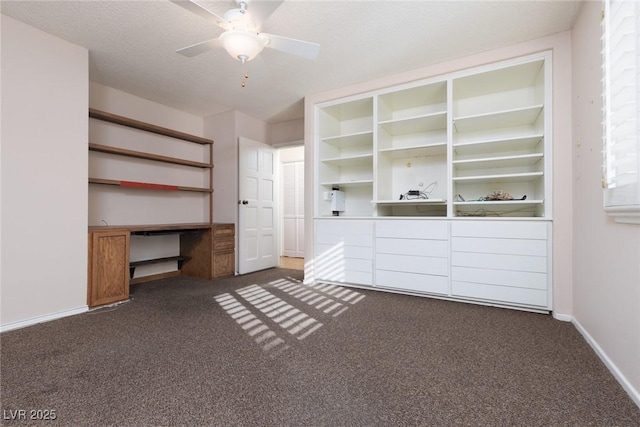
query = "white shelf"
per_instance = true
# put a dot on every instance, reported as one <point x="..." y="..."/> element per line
<point x="355" y="160"/>
<point x="413" y="101"/>
<point x="351" y="110"/>
<point x="498" y="208"/>
<point x="410" y="202"/>
<point x="510" y="143"/>
<point x="499" y="202"/>
<point x="358" y="182"/>
<point x="499" y="80"/>
<point x="415" y="151"/>
<point x="510" y="177"/>
<point x="356" y="139"/>
<point x="523" y="160"/>
<point x="498" y="119"/>
<point x="417" y="124"/>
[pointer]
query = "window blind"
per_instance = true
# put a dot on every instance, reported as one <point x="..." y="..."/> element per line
<point x="621" y="100"/>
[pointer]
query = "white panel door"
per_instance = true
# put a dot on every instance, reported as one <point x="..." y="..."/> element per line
<point x="257" y="224"/>
<point x="293" y="209"/>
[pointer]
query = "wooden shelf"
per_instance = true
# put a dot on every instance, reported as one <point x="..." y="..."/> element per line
<point x="147" y="156"/>
<point x="147" y="186"/>
<point x="140" y="228"/>
<point x="125" y="121"/>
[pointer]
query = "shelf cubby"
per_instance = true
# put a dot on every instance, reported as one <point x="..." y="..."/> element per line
<point x="413" y="102"/>
<point x="418" y="124"/>
<point x="512" y="118"/>
<point x="499" y="164"/>
<point x="346" y="119"/>
<point x="530" y="142"/>
<point x="502" y="89"/>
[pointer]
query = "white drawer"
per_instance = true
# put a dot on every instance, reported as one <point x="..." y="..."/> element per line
<point x="339" y="250"/>
<point x="500" y="262"/>
<point x="344" y="226"/>
<point x="412" y="282"/>
<point x="340" y="265"/>
<point x="344" y="270"/>
<point x="518" y="279"/>
<point x="499" y="246"/>
<point x="533" y="297"/>
<point x="330" y="238"/>
<point x="413" y="229"/>
<point x="355" y="277"/>
<point x="436" y="248"/>
<point x="501" y="229"/>
<point x="358" y="277"/>
<point x="412" y="264"/>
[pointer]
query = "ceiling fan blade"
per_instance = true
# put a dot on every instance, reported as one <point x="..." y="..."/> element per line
<point x="260" y="10"/>
<point x="198" y="48"/>
<point x="202" y="12"/>
<point x="301" y="48"/>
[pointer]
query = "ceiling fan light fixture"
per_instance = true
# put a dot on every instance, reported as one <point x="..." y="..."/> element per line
<point x="242" y="45"/>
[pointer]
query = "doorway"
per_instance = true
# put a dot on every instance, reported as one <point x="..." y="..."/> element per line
<point x="292" y="207"/>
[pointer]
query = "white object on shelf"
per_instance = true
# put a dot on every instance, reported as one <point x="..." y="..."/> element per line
<point x="337" y="201"/>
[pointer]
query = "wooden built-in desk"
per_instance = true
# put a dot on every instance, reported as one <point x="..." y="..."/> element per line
<point x="206" y="251"/>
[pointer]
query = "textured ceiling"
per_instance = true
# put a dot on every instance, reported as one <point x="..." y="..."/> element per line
<point x="132" y="45"/>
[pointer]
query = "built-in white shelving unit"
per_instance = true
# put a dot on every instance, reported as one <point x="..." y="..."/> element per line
<point x="473" y="143"/>
<point x="499" y="142"/>
<point x="345" y="154"/>
<point x="415" y="163"/>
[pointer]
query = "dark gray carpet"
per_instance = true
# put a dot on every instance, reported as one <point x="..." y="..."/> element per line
<point x="193" y="352"/>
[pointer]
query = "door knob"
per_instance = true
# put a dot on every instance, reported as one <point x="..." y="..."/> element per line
<point x="244" y="202"/>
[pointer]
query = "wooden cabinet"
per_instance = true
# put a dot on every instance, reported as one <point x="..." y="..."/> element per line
<point x="224" y="255"/>
<point x="212" y="253"/>
<point x="108" y="267"/>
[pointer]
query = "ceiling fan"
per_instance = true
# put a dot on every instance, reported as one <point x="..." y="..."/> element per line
<point x="242" y="38"/>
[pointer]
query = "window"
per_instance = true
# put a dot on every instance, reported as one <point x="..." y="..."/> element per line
<point x="621" y="111"/>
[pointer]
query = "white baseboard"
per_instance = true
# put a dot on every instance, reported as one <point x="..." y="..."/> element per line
<point x="626" y="385"/>
<point x="562" y="317"/>
<point x="40" y="319"/>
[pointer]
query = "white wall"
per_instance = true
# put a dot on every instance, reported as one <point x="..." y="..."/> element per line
<point x="606" y="262"/>
<point x="44" y="176"/>
<point x="286" y="133"/>
<point x="225" y="129"/>
<point x="562" y="183"/>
